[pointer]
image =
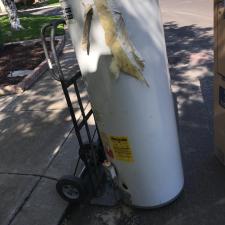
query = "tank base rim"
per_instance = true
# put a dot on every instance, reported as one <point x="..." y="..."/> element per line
<point x="160" y="205"/>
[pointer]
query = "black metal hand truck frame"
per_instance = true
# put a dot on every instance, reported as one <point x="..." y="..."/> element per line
<point x="74" y="188"/>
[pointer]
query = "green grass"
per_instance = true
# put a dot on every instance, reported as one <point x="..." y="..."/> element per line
<point x="53" y="2"/>
<point x="32" y="26"/>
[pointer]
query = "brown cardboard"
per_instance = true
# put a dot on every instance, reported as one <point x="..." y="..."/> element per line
<point x="220" y="17"/>
<point x="219" y="79"/>
<point x="219" y="117"/>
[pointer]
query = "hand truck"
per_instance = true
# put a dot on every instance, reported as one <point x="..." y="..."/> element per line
<point x="76" y="188"/>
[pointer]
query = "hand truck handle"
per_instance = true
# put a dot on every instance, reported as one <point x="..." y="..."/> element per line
<point x="55" y="62"/>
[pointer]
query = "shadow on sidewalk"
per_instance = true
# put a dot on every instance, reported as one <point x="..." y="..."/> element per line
<point x="34" y="127"/>
<point x="190" y="55"/>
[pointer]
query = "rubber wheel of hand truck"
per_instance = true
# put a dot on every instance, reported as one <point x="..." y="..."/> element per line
<point x="71" y="189"/>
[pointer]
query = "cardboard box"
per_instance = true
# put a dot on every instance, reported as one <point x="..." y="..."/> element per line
<point x="219" y="117"/>
<point x="219" y="79"/>
<point x="219" y="21"/>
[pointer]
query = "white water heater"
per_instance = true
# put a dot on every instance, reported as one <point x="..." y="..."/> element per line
<point x="120" y="48"/>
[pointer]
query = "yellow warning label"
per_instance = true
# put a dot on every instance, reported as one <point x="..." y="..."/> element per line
<point x="121" y="148"/>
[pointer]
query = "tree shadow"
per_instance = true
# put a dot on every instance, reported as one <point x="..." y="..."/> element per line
<point x="39" y="116"/>
<point x="190" y="56"/>
<point x="184" y="41"/>
<point x="34" y="127"/>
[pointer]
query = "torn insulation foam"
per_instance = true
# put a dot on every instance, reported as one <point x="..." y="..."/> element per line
<point x="125" y="57"/>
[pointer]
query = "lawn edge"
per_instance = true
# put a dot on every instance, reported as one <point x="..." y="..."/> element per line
<point x="37" y="72"/>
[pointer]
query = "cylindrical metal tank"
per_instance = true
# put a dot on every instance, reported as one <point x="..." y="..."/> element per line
<point x="135" y="114"/>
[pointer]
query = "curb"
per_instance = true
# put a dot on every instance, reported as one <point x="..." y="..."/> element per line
<point x="32" y="9"/>
<point x="30" y="79"/>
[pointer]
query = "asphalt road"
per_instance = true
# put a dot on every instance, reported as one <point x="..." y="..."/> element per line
<point x="188" y="12"/>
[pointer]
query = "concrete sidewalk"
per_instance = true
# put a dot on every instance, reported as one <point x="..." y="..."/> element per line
<point x="38" y="146"/>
